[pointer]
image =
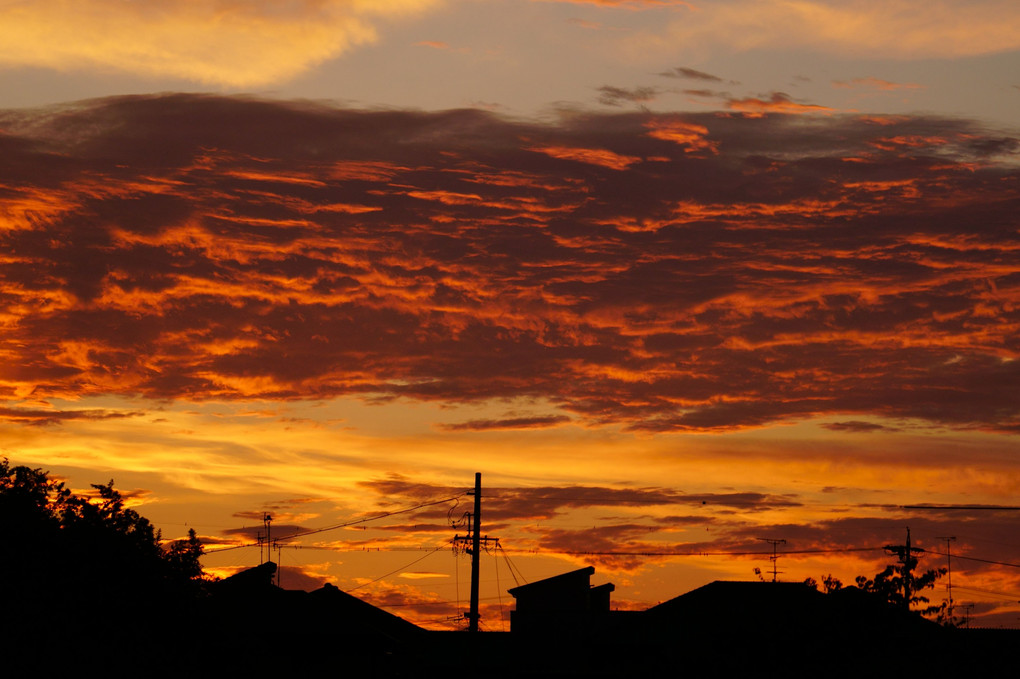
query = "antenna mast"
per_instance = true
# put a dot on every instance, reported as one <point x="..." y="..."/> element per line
<point x="949" y="570"/>
<point x="266" y="520"/>
<point x="775" y="555"/>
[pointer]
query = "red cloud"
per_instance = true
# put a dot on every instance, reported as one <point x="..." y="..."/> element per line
<point x="876" y="83"/>
<point x="778" y="102"/>
<point x="792" y="267"/>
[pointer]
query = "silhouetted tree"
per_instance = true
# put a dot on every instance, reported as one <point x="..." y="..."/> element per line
<point x="830" y="583"/>
<point x="898" y="584"/>
<point x="87" y="584"/>
<point x="183" y="556"/>
<point x="64" y="548"/>
<point x="901" y="586"/>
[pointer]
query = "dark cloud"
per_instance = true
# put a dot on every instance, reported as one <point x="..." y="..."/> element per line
<point x="709" y="94"/>
<point x="614" y="96"/>
<point x="594" y="543"/>
<point x="545" y="502"/>
<point x="291" y="503"/>
<point x="253" y="533"/>
<point x="295" y="577"/>
<point x="661" y="272"/>
<point x="857" y="427"/>
<point x="45" y="417"/>
<point x="509" y="423"/>
<point x="411" y="603"/>
<point x="690" y="74"/>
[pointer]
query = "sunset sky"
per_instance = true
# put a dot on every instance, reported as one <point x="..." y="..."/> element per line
<point x="675" y="277"/>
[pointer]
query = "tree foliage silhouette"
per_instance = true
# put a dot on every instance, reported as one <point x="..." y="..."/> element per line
<point x="897" y="584"/>
<point x="78" y="550"/>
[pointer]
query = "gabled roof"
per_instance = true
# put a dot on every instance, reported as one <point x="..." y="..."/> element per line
<point x="338" y="607"/>
<point x="739" y="596"/>
<point x="767" y="606"/>
<point x="327" y="608"/>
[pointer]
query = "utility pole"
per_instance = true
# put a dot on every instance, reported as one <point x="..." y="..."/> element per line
<point x="949" y="569"/>
<point x="475" y="556"/>
<point x="475" y="541"/>
<point x="905" y="554"/>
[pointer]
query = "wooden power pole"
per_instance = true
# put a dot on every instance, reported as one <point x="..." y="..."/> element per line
<point x="475" y="557"/>
<point x="473" y="543"/>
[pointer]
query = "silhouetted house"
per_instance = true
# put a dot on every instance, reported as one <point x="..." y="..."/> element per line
<point x="247" y="583"/>
<point x="739" y="627"/>
<point x="769" y="609"/>
<point x="565" y="604"/>
<point x="259" y="626"/>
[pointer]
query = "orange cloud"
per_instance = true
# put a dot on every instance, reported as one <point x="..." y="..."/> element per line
<point x="777" y="103"/>
<point x="877" y="84"/>
<point x="686" y="134"/>
<point x="951" y="28"/>
<point x="207" y="41"/>
<point x="629" y="4"/>
<point x="602" y="157"/>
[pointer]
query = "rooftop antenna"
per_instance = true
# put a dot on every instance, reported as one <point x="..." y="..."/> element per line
<point x="279" y="560"/>
<point x="775" y="555"/>
<point x="266" y="520"/>
<point x="966" y="615"/>
<point x="949" y="569"/>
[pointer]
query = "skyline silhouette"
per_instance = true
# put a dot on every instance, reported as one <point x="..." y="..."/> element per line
<point x="684" y="280"/>
<point x="148" y="602"/>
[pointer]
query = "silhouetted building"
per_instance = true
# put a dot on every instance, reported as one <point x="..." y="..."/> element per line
<point x="565" y="603"/>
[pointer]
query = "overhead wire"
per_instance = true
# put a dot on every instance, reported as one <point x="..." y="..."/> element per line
<point x="974" y="558"/>
<point x="386" y="575"/>
<point x="345" y="524"/>
<point x="499" y="590"/>
<point x="510" y="564"/>
<point x="990" y="592"/>
<point x="839" y="550"/>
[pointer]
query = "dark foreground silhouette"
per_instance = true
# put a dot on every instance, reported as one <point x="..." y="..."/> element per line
<point x="89" y="589"/>
<point x="246" y="626"/>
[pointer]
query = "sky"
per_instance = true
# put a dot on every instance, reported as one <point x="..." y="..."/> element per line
<point x="677" y="278"/>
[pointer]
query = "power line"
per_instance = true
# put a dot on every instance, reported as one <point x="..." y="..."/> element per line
<point x="408" y="604"/>
<point x="991" y="592"/>
<point x="355" y="522"/>
<point x="425" y="556"/>
<point x="565" y="552"/>
<point x="512" y="566"/>
<point x="674" y="553"/>
<point x="974" y="558"/>
<point x="987" y="508"/>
